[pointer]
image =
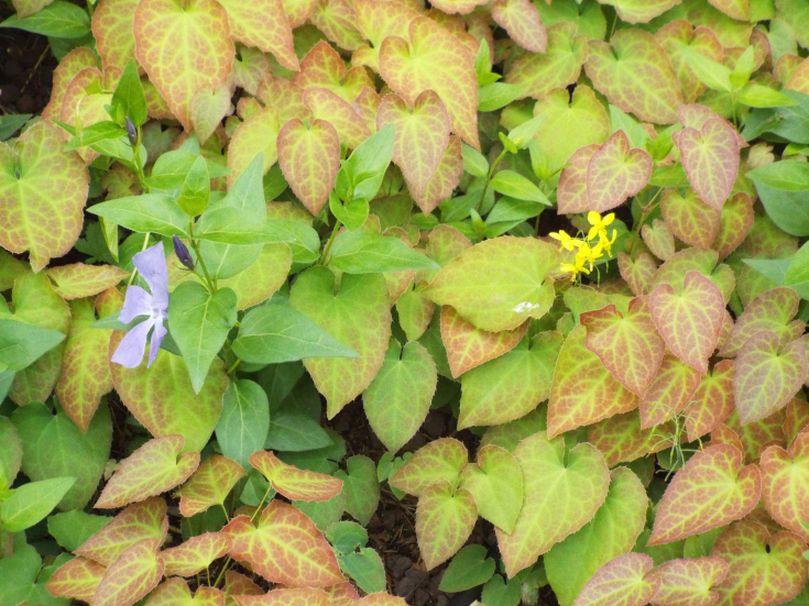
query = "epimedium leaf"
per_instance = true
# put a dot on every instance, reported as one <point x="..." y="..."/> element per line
<point x="522" y="21"/>
<point x="583" y="391"/>
<point x="209" y="485"/>
<point x="612" y="532"/>
<point x="357" y="313"/>
<point x="294" y="483"/>
<point x="195" y="554"/>
<point x="179" y="75"/>
<point x="284" y="547"/>
<point x="242" y="428"/>
<point x="112" y="25"/>
<point x="615" y="172"/>
<point x="11" y="456"/>
<point x="261" y="279"/>
<point x="398" y="399"/>
<point x="199" y="322"/>
<point x="77" y="578"/>
<point x="356" y="251"/>
<point x="263" y="25"/>
<point x="175" y="592"/>
<point x="54" y="447"/>
<point x="705" y="262"/>
<point x="640" y="11"/>
<point x="498" y="284"/>
<point x="445" y="517"/>
<point x="347" y="120"/>
<point x="154" y="468"/>
<point x="689" y="582"/>
<point x="620" y="438"/>
<point x="406" y="66"/>
<point x="712" y="402"/>
<point x="85" y="374"/>
<point x="689" y="219"/>
<point x="713" y="489"/>
<point x="622" y="581"/>
<point x="772" y="312"/>
<point x="710" y="155"/>
<point x="573" y="483"/>
<point x="496" y="484"/>
<point x="132" y="576"/>
<point x="770" y="370"/>
<point x="469" y="568"/>
<point x="436" y="463"/>
<point x="627" y="344"/>
<point x="510" y="386"/>
<point x="785" y="490"/>
<point x="256" y="135"/>
<point x="309" y="157"/>
<point x="689" y="319"/>
<point x="42" y="195"/>
<point x="79" y="280"/>
<point x="156" y="213"/>
<point x="685" y="42"/>
<point x="669" y="392"/>
<point x="634" y="73"/>
<point x="275" y="332"/>
<point x="764" y="566"/>
<point x="31" y="502"/>
<point x="360" y="487"/>
<point x="422" y="134"/>
<point x="150" y="394"/>
<point x="658" y="238"/>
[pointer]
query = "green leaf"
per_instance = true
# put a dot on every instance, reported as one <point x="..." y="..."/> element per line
<point x="31" y="502"/>
<point x="230" y="225"/>
<point x="101" y="131"/>
<point x="360" y="252"/>
<point x="782" y="188"/>
<point x="156" y="213"/>
<point x="295" y="432"/>
<point x="245" y="421"/>
<point x="474" y="162"/>
<point x="398" y="399"/>
<point x="275" y="332"/>
<point x="11" y="123"/>
<point x="612" y="531"/>
<point x="196" y="189"/>
<point x="72" y="528"/>
<point x="496" y="483"/>
<point x="128" y="100"/>
<point x="18" y="572"/>
<point x="360" y="177"/>
<point x="360" y="488"/>
<point x="54" y="447"/>
<point x="22" y="344"/>
<point x="199" y="322"/>
<point x="513" y="184"/>
<point x="365" y="568"/>
<point x="469" y="568"/>
<point x="347" y="536"/>
<point x="10" y="455"/>
<point x="59" y="20"/>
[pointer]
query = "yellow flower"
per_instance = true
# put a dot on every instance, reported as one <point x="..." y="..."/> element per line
<point x="608" y="243"/>
<point x="566" y="242"/>
<point x="590" y="255"/>
<point x="599" y="225"/>
<point x="577" y="267"/>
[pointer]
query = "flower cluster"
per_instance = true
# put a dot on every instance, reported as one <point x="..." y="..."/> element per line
<point x="589" y="250"/>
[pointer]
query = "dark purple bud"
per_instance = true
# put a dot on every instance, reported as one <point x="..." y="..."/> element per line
<point x="181" y="250"/>
<point x="131" y="131"/>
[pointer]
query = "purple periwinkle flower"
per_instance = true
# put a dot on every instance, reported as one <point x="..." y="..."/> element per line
<point x="131" y="131"/>
<point x="151" y="263"/>
<point x="181" y="250"/>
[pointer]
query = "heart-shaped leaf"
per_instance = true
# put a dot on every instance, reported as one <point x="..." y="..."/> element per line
<point x="627" y="344"/>
<point x="133" y="575"/>
<point x="689" y="218"/>
<point x="668" y="393"/>
<point x="195" y="554"/>
<point x="770" y="370"/>
<point x="689" y="319"/>
<point x="770" y="312"/>
<point x="712" y="402"/>
<point x="711" y="490"/>
<point x="498" y="284"/>
<point x="583" y="391"/>
<point x="309" y="158"/>
<point x="178" y="76"/>
<point x="496" y="483"/>
<point x="633" y="72"/>
<point x="42" y="194"/>
<point x="284" y="547"/>
<point x="445" y="518"/>
<point x="616" y="172"/>
<point x="438" y="462"/>
<point x="154" y="468"/>
<point x="77" y="578"/>
<point x="688" y="582"/>
<point x="78" y="280"/>
<point x="520" y="18"/>
<point x="640" y="11"/>
<point x="294" y="483"/>
<point x="358" y="315"/>
<point x="209" y="485"/>
<point x="620" y="438"/>
<point x="612" y="532"/>
<point x="264" y="25"/>
<point x="764" y="567"/>
<point x="398" y="399"/>
<point x="176" y="591"/>
<point x="257" y="134"/>
<point x="622" y="581"/>
<point x="563" y="490"/>
<point x="785" y="484"/>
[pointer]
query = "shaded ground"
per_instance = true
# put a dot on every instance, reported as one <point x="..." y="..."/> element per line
<point x="26" y="66"/>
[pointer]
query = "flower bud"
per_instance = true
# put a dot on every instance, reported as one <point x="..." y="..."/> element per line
<point x="181" y="250"/>
<point x="131" y="131"/>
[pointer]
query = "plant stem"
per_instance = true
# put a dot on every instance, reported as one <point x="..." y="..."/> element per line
<point x="324" y="257"/>
<point x="489" y="175"/>
<point x="210" y="283"/>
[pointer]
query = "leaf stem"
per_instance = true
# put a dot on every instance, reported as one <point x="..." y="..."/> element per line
<point x="210" y="282"/>
<point x="324" y="257"/>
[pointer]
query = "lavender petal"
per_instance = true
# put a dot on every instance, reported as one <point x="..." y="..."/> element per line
<point x="129" y="352"/>
<point x="137" y="302"/>
<point x="157" y="338"/>
<point x="151" y="264"/>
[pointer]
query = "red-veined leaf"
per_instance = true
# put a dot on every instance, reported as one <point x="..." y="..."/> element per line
<point x="113" y="31"/>
<point x="689" y="219"/>
<point x="658" y="237"/>
<point x="572" y="195"/>
<point x="445" y="517"/>
<point x="294" y="483"/>
<point x="637" y="272"/>
<point x="616" y="172"/>
<point x="437" y="462"/>
<point x="627" y="344"/>
<point x="785" y="484"/>
<point x="344" y="117"/>
<point x="712" y="402"/>
<point x="770" y="312"/>
<point x="681" y="40"/>
<point x="257" y="134"/>
<point x="77" y="280"/>
<point x="640" y="11"/>
<point x="735" y="223"/>
<point x="620" y="438"/>
<point x="77" y="578"/>
<point x="689" y="319"/>
<point x="735" y="9"/>
<point x="290" y="596"/>
<point x="688" y="582"/>
<point x="496" y="483"/>
<point x="622" y="581"/>
<point x="130" y="577"/>
<point x="669" y="392"/>
<point x="154" y="468"/>
<point x="285" y="547"/>
<point x="264" y="25"/>
<point x="338" y="20"/>
<point x="711" y="490"/>
<point x="209" y="485"/>
<point x="195" y="554"/>
<point x="175" y="592"/>
<point x="521" y="20"/>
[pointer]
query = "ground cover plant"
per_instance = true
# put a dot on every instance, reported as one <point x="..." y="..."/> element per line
<point x="379" y="302"/>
